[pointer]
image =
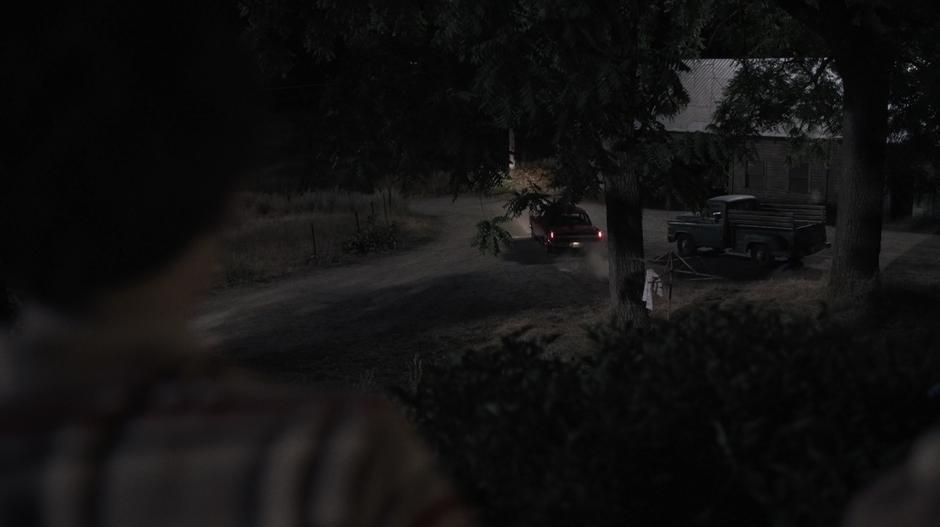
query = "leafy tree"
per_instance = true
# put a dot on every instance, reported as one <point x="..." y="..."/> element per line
<point x="798" y="96"/>
<point x="377" y="98"/>
<point x="602" y="74"/>
<point x="698" y="166"/>
<point x="885" y="56"/>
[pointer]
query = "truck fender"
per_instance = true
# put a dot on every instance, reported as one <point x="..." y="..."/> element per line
<point x="775" y="243"/>
<point x="674" y="235"/>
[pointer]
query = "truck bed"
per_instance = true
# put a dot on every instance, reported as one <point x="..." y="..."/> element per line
<point x="801" y="228"/>
<point x="802" y="212"/>
<point x="741" y="224"/>
<point x="780" y="215"/>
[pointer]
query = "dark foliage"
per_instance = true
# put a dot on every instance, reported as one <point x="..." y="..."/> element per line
<point x="727" y="416"/>
<point x="8" y="306"/>
<point x="120" y="140"/>
<point x="377" y="98"/>
<point x="373" y="238"/>
<point x="795" y="97"/>
<point x="695" y="169"/>
<point x="491" y="235"/>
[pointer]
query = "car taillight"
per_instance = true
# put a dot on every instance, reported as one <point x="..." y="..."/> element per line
<point x="600" y="235"/>
<point x="551" y="235"/>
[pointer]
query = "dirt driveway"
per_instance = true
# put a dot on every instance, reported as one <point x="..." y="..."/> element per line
<point x="367" y="323"/>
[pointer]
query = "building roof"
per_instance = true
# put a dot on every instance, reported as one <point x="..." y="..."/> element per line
<point x="706" y="82"/>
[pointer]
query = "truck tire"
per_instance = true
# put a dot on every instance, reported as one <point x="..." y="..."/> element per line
<point x="796" y="259"/>
<point x="761" y="255"/>
<point x="685" y="245"/>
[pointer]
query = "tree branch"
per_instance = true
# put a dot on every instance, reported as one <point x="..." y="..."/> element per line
<point x="813" y="77"/>
<point x="806" y="14"/>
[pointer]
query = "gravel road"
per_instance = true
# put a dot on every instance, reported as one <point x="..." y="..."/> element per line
<point x="366" y="322"/>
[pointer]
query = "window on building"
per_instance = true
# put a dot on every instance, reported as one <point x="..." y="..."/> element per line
<point x="799" y="178"/>
<point x="754" y="174"/>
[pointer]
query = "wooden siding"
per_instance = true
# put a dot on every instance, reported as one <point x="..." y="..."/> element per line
<point x="776" y="155"/>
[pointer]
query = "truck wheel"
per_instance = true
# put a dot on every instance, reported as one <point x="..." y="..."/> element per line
<point x="796" y="260"/>
<point x="761" y="255"/>
<point x="685" y="246"/>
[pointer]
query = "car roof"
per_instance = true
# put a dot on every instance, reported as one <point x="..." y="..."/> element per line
<point x="731" y="198"/>
<point x="567" y="209"/>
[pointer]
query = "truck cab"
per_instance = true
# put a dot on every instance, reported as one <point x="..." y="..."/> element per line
<point x="710" y="228"/>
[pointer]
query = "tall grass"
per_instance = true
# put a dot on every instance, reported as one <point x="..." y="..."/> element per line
<point x="254" y="204"/>
<point x="272" y="235"/>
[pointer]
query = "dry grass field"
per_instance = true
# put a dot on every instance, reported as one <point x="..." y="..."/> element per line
<point x="276" y="235"/>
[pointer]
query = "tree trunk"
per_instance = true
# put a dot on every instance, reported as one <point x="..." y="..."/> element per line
<point x="625" y="247"/>
<point x="854" y="273"/>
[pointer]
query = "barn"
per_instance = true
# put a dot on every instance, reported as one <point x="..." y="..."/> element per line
<point x="775" y="170"/>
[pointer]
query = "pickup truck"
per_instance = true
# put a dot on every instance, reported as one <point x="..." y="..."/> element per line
<point x="741" y="224"/>
<point x="561" y="227"/>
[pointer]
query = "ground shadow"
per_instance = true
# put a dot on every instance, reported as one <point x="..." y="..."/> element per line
<point x="726" y="266"/>
<point x="380" y="332"/>
<point x="527" y="251"/>
<point x="917" y="266"/>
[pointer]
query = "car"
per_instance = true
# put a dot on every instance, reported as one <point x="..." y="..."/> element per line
<point x="563" y="226"/>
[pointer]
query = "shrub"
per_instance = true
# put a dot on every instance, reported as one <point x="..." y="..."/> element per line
<point x="237" y="270"/>
<point x="275" y="235"/>
<point x="382" y="202"/>
<point x="730" y="415"/>
<point x="373" y="238"/>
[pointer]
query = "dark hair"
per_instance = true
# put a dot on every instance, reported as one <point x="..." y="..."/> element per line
<point x="123" y="129"/>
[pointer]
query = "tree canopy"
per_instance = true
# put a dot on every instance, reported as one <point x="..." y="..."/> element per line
<point x="377" y="98"/>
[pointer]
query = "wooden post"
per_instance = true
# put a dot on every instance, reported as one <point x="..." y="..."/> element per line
<point x="313" y="236"/>
<point x="372" y="206"/>
<point x="356" y="214"/>
<point x="512" y="149"/>
<point x="672" y="276"/>
<point x="384" y="208"/>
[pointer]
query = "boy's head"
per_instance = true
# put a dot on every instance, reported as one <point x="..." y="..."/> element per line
<point x="124" y="126"/>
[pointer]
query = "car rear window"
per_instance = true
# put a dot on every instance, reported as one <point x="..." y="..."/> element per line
<point x="572" y="219"/>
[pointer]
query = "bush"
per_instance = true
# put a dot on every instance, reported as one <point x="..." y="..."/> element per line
<point x="274" y="235"/>
<point x="238" y="269"/>
<point x="730" y="415"/>
<point x="373" y="238"/>
<point x="382" y="202"/>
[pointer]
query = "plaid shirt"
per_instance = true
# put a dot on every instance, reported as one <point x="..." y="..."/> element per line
<point x="96" y="434"/>
<point x="907" y="495"/>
